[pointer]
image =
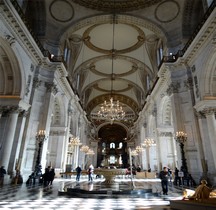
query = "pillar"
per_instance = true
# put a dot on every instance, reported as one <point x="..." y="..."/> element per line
<point x="9" y="137"/>
<point x="211" y="124"/>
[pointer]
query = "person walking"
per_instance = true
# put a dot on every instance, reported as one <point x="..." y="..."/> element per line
<point x="164" y="176"/>
<point x="2" y="173"/>
<point x="90" y="173"/>
<point x="78" y="170"/>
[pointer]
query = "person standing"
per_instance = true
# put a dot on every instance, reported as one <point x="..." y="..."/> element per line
<point x="2" y="173"/>
<point x="78" y="170"/>
<point x="164" y="176"/>
<point x="177" y="179"/>
<point x="51" y="176"/>
<point x="90" y="173"/>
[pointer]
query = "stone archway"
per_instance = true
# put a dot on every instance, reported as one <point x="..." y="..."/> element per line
<point x="112" y="146"/>
<point x="10" y="74"/>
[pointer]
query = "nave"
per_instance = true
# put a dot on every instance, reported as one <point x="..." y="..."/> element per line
<point x="39" y="197"/>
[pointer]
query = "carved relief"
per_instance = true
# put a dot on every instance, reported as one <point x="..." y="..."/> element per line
<point x="51" y="87"/>
<point x="140" y="39"/>
<point x="209" y="111"/>
<point x="57" y="133"/>
<point x="107" y="5"/>
<point x="173" y="88"/>
<point x="162" y="14"/>
<point x="28" y="85"/>
<point x="197" y="92"/>
<point x="36" y="83"/>
<point x="165" y="134"/>
<point x="11" y="40"/>
<point x="59" y="15"/>
<point x="188" y="84"/>
<point x="7" y="110"/>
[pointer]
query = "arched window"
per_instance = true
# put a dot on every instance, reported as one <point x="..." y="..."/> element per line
<point x="112" y="145"/>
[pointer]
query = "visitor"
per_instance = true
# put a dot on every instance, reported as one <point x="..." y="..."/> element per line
<point x="2" y="173"/>
<point x="51" y="176"/>
<point x="78" y="171"/>
<point x="46" y="176"/>
<point x="177" y="179"/>
<point x="164" y="176"/>
<point x="90" y="173"/>
<point x="138" y="169"/>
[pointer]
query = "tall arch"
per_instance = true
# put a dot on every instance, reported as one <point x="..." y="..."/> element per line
<point x="209" y="75"/>
<point x="10" y="74"/>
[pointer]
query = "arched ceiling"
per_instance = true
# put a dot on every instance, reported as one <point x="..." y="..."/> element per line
<point x="112" y="133"/>
<point x="113" y="45"/>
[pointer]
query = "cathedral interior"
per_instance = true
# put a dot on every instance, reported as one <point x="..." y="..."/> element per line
<point x="104" y="81"/>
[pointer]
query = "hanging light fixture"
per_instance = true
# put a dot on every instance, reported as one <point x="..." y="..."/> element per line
<point x="111" y="110"/>
<point x="75" y="141"/>
<point x="149" y="142"/>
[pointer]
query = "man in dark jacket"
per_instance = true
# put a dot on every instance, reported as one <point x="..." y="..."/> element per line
<point x="78" y="170"/>
<point x="164" y="176"/>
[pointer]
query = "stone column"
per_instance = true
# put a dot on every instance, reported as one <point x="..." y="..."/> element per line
<point x="75" y="156"/>
<point x="159" y="146"/>
<point x="9" y="138"/>
<point x="202" y="145"/>
<point x="211" y="124"/>
<point x="173" y="92"/>
<point x="1" y="111"/>
<point x="19" y="143"/>
<point x="46" y="115"/>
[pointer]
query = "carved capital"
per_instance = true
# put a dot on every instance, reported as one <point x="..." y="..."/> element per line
<point x="51" y="87"/>
<point x="209" y="111"/>
<point x="36" y="83"/>
<point x="188" y="83"/>
<point x="173" y="88"/>
<point x="165" y="134"/>
<point x="199" y="115"/>
<point x="24" y="113"/>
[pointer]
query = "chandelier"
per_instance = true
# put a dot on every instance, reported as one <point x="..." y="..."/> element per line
<point x="139" y="149"/>
<point x="75" y="141"/>
<point x="134" y="153"/>
<point x="90" y="152"/>
<point x="149" y="143"/>
<point x="87" y="150"/>
<point x="112" y="110"/>
<point x="84" y="148"/>
<point x="181" y="137"/>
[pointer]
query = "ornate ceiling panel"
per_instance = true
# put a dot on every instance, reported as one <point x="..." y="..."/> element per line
<point x="117" y="5"/>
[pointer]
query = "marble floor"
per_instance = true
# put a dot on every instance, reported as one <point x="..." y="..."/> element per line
<point x="39" y="197"/>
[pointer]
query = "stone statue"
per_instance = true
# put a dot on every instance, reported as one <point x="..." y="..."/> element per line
<point x="201" y="192"/>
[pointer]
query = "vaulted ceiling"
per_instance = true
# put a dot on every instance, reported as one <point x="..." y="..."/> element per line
<point x="112" y="46"/>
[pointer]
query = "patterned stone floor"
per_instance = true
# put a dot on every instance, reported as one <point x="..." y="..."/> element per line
<point x="39" y="197"/>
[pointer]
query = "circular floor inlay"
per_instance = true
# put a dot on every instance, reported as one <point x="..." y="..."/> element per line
<point x="61" y="10"/>
<point x="167" y="11"/>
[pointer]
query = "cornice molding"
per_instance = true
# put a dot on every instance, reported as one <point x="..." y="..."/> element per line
<point x="120" y="6"/>
<point x="21" y="32"/>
